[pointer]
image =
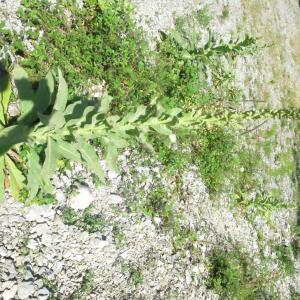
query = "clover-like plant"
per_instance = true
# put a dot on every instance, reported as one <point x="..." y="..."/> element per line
<point x="52" y="129"/>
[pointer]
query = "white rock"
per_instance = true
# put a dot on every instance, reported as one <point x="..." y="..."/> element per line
<point x="112" y="175"/>
<point x="25" y="289"/>
<point x="41" y="229"/>
<point x="20" y="261"/>
<point x="3" y="251"/>
<point x="58" y="266"/>
<point x="6" y="285"/>
<point x="44" y="293"/>
<point x="40" y="213"/>
<point x="82" y="200"/>
<point x="99" y="244"/>
<point x="32" y="244"/>
<point x="115" y="199"/>
<point x="60" y="196"/>
<point x="46" y="240"/>
<point x="10" y="294"/>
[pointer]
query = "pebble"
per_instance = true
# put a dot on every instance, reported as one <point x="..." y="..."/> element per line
<point x="32" y="244"/>
<point x="82" y="200"/>
<point x="46" y="240"/>
<point x="43" y="293"/>
<point x="25" y="289"/>
<point x="10" y="293"/>
<point x="39" y="214"/>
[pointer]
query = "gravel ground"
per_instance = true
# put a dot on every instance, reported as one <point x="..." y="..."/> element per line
<point x="132" y="257"/>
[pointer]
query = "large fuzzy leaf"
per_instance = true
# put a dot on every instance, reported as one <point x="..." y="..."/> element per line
<point x="92" y="160"/>
<point x="2" y="178"/>
<point x="34" y="174"/>
<point x="105" y="104"/>
<point x="12" y="135"/>
<point x="44" y="94"/>
<point x="85" y="117"/>
<point x="55" y="120"/>
<point x="5" y="92"/>
<point x="25" y="93"/>
<point x="132" y="117"/>
<point x="62" y="93"/>
<point x="17" y="179"/>
<point x="67" y="150"/>
<point x="49" y="166"/>
<point x="111" y="157"/>
<point x="162" y="129"/>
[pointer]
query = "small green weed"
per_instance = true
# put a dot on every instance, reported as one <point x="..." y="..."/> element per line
<point x="213" y="153"/>
<point x="68" y="215"/>
<point x="285" y="255"/>
<point x="85" y="288"/>
<point x="232" y="277"/>
<point x="135" y="274"/>
<point x="263" y="204"/>
<point x="86" y="221"/>
<point x="52" y="287"/>
<point x="183" y="239"/>
<point x="24" y="248"/>
<point x="225" y="12"/>
<point x="91" y="222"/>
<point x="203" y="16"/>
<point x="119" y="236"/>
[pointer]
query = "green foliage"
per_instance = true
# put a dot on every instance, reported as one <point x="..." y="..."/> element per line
<point x="52" y="287"/>
<point x="69" y="215"/>
<point x="24" y="246"/>
<point x="86" y="287"/>
<point x="100" y="43"/>
<point x="135" y="274"/>
<point x="158" y="203"/>
<point x="225" y="12"/>
<point x="183" y="240"/>
<point x="263" y="203"/>
<point x="87" y="221"/>
<point x="92" y="222"/>
<point x="213" y="154"/>
<point x="232" y="277"/>
<point x="119" y="236"/>
<point x="59" y="131"/>
<point x="285" y="255"/>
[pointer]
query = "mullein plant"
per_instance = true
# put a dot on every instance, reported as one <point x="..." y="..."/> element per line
<point x="50" y="129"/>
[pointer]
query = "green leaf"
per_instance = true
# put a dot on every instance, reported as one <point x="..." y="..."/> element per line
<point x="111" y="157"/>
<point x="92" y="160"/>
<point x="162" y="129"/>
<point x="11" y="136"/>
<point x="68" y="151"/>
<point x="5" y="92"/>
<point x="2" y="179"/>
<point x="34" y="174"/>
<point x="105" y="104"/>
<point x="25" y="93"/>
<point x="144" y="141"/>
<point x="178" y="38"/>
<point x="17" y="179"/>
<point x="49" y="166"/>
<point x="132" y="117"/>
<point x="55" y="120"/>
<point x="43" y="96"/>
<point x="85" y="117"/>
<point x="62" y="93"/>
<point x="173" y="112"/>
